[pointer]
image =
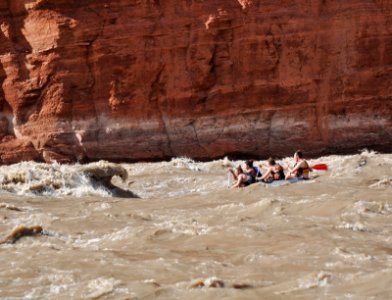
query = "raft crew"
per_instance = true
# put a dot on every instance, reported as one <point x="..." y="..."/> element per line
<point x="301" y="168"/>
<point x="274" y="172"/>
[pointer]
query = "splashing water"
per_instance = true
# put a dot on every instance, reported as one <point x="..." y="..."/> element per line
<point x="30" y="178"/>
<point x="189" y="236"/>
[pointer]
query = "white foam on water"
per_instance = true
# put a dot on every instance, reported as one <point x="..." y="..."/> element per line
<point x="353" y="256"/>
<point x="102" y="206"/>
<point x="187" y="163"/>
<point x="186" y="227"/>
<point x="91" y="241"/>
<point x="31" y="219"/>
<point x="382" y="183"/>
<point x="322" y="279"/>
<point x="260" y="257"/>
<point x="178" y="177"/>
<point x="60" y="281"/>
<point x="371" y="208"/>
<point x="100" y="287"/>
<point x="311" y="281"/>
<point x="55" y="180"/>
<point x="352" y="226"/>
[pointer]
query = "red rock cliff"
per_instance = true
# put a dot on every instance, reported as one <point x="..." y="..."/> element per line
<point x="151" y="79"/>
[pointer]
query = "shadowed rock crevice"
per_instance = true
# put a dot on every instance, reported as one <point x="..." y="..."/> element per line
<point x="16" y="48"/>
<point x="90" y="58"/>
<point x="156" y="96"/>
<point x="192" y="124"/>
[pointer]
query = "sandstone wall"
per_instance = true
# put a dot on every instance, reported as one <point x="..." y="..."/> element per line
<point x="151" y="79"/>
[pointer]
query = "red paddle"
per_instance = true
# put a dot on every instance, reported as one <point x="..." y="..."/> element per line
<point x="320" y="167"/>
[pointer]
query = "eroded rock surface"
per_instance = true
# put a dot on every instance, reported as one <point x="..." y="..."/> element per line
<point x="151" y="79"/>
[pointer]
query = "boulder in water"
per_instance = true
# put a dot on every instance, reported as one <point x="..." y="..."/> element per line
<point x="20" y="232"/>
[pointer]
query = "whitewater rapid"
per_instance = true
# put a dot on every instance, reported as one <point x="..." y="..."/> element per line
<point x="174" y="230"/>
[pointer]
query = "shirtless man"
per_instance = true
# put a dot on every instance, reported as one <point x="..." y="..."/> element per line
<point x="242" y="179"/>
<point x="301" y="168"/>
<point x="250" y="169"/>
<point x="274" y="172"/>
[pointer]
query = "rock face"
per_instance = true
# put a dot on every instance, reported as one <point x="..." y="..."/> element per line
<point x="150" y="79"/>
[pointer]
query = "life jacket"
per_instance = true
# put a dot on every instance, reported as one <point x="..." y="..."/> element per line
<point x="303" y="171"/>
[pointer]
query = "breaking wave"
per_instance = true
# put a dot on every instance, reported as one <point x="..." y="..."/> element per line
<point x="178" y="177"/>
<point x="39" y="179"/>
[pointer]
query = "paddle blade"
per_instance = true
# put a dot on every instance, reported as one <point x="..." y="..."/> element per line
<point x="320" y="167"/>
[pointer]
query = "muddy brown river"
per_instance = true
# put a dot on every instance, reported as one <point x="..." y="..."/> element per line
<point x="174" y="230"/>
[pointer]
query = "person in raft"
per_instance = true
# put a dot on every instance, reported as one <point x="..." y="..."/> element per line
<point x="274" y="171"/>
<point x="251" y="170"/>
<point x="301" y="168"/>
<point x="242" y="178"/>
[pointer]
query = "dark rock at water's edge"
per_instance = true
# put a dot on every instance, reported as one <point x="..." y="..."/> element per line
<point x="126" y="81"/>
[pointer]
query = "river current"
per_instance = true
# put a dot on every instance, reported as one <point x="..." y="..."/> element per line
<point x="174" y="230"/>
